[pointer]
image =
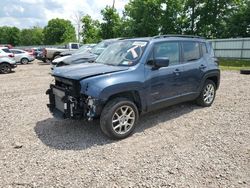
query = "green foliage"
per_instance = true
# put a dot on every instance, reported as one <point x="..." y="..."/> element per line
<point x="59" y="31"/>
<point x="143" y="17"/>
<point x="110" y="28"/>
<point x="33" y="36"/>
<point x="91" y="30"/>
<point x="239" y="24"/>
<point x="234" y="62"/>
<point x="9" y="35"/>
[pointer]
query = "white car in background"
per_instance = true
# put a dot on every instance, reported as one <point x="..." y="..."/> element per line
<point x="7" y="64"/>
<point x="22" y="56"/>
<point x="5" y="52"/>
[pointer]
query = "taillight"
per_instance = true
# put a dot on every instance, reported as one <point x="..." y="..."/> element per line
<point x="11" y="55"/>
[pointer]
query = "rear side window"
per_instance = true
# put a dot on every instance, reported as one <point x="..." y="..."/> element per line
<point x="191" y="51"/>
<point x="168" y="50"/>
<point x="6" y="50"/>
<point x="16" y="52"/>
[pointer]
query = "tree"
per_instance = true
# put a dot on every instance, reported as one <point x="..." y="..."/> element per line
<point x="110" y="28"/>
<point x="77" y="19"/>
<point x="59" y="31"/>
<point x="91" y="30"/>
<point x="171" y="18"/>
<point x="143" y="17"/>
<point x="9" y="35"/>
<point x="33" y="36"/>
<point x="239" y="23"/>
<point x="208" y="17"/>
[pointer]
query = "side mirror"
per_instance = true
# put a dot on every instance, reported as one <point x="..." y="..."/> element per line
<point x="161" y="62"/>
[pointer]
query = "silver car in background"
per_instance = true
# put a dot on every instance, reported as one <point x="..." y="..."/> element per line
<point x="22" y="56"/>
<point x="7" y="64"/>
<point x="5" y="52"/>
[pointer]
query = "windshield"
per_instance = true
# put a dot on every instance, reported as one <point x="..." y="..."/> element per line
<point x="98" y="49"/>
<point x="122" y="53"/>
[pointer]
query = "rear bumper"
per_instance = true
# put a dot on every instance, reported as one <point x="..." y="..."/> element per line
<point x="41" y="58"/>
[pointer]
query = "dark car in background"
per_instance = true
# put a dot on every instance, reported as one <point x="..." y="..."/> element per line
<point x="85" y="56"/>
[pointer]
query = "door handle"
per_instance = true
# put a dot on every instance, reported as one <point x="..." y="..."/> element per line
<point x="203" y="66"/>
<point x="177" y="72"/>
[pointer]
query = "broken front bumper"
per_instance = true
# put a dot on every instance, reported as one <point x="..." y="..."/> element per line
<point x="62" y="104"/>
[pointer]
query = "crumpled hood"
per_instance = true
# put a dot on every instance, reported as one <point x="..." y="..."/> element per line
<point x="80" y="71"/>
<point x="80" y="57"/>
<point x="59" y="59"/>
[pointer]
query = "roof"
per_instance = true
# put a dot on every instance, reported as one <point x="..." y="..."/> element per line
<point x="175" y="37"/>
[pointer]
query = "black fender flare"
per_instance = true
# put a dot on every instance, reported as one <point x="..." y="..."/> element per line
<point x="213" y="73"/>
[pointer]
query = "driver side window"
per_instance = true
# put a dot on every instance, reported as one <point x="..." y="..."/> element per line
<point x="168" y="50"/>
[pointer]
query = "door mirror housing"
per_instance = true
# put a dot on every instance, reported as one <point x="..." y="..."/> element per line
<point x="161" y="62"/>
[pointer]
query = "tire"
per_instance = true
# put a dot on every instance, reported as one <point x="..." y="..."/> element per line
<point x="244" y="71"/>
<point x="24" y="61"/>
<point x="5" y="68"/>
<point x="113" y="123"/>
<point x="207" y="95"/>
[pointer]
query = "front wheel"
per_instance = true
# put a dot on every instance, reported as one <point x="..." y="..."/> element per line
<point x="5" y="68"/>
<point x="118" y="118"/>
<point x="207" y="95"/>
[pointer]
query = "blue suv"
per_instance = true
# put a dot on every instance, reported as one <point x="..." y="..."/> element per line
<point x="135" y="76"/>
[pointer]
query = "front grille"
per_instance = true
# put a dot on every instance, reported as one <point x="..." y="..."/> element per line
<point x="63" y="83"/>
<point x="72" y="87"/>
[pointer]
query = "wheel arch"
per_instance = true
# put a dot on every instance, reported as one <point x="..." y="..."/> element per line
<point x="132" y="95"/>
<point x="213" y="76"/>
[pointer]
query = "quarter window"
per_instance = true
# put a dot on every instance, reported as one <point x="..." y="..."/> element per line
<point x="168" y="50"/>
<point x="6" y="50"/>
<point x="191" y="51"/>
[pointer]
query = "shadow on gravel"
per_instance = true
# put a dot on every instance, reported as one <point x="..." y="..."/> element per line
<point x="43" y="63"/>
<point x="80" y="135"/>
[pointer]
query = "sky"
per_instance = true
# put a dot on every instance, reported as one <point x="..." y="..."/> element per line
<point x="29" y="13"/>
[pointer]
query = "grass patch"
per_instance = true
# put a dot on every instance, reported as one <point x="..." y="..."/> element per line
<point x="234" y="64"/>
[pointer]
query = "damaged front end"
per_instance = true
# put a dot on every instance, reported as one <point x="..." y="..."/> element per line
<point x="66" y="101"/>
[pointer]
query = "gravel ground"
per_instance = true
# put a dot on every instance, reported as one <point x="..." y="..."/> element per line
<point x="180" y="146"/>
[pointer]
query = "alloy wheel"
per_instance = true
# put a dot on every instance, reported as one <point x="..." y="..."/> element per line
<point x="208" y="94"/>
<point x="123" y="119"/>
<point x="5" y="69"/>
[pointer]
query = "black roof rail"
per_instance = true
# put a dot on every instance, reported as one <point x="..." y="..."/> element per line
<point x="173" y="35"/>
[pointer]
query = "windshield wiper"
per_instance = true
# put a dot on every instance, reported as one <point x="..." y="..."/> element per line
<point x="110" y="64"/>
<point x="195" y="59"/>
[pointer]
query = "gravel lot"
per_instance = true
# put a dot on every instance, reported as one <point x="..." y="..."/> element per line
<point x="180" y="146"/>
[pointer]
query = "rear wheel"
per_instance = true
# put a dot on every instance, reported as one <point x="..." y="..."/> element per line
<point x="207" y="95"/>
<point x="5" y="68"/>
<point x="24" y="61"/>
<point x="119" y="118"/>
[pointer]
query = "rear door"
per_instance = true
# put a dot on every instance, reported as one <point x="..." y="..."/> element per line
<point x="194" y="65"/>
<point x="17" y="55"/>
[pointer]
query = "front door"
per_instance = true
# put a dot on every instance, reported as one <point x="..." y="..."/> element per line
<point x="164" y="83"/>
